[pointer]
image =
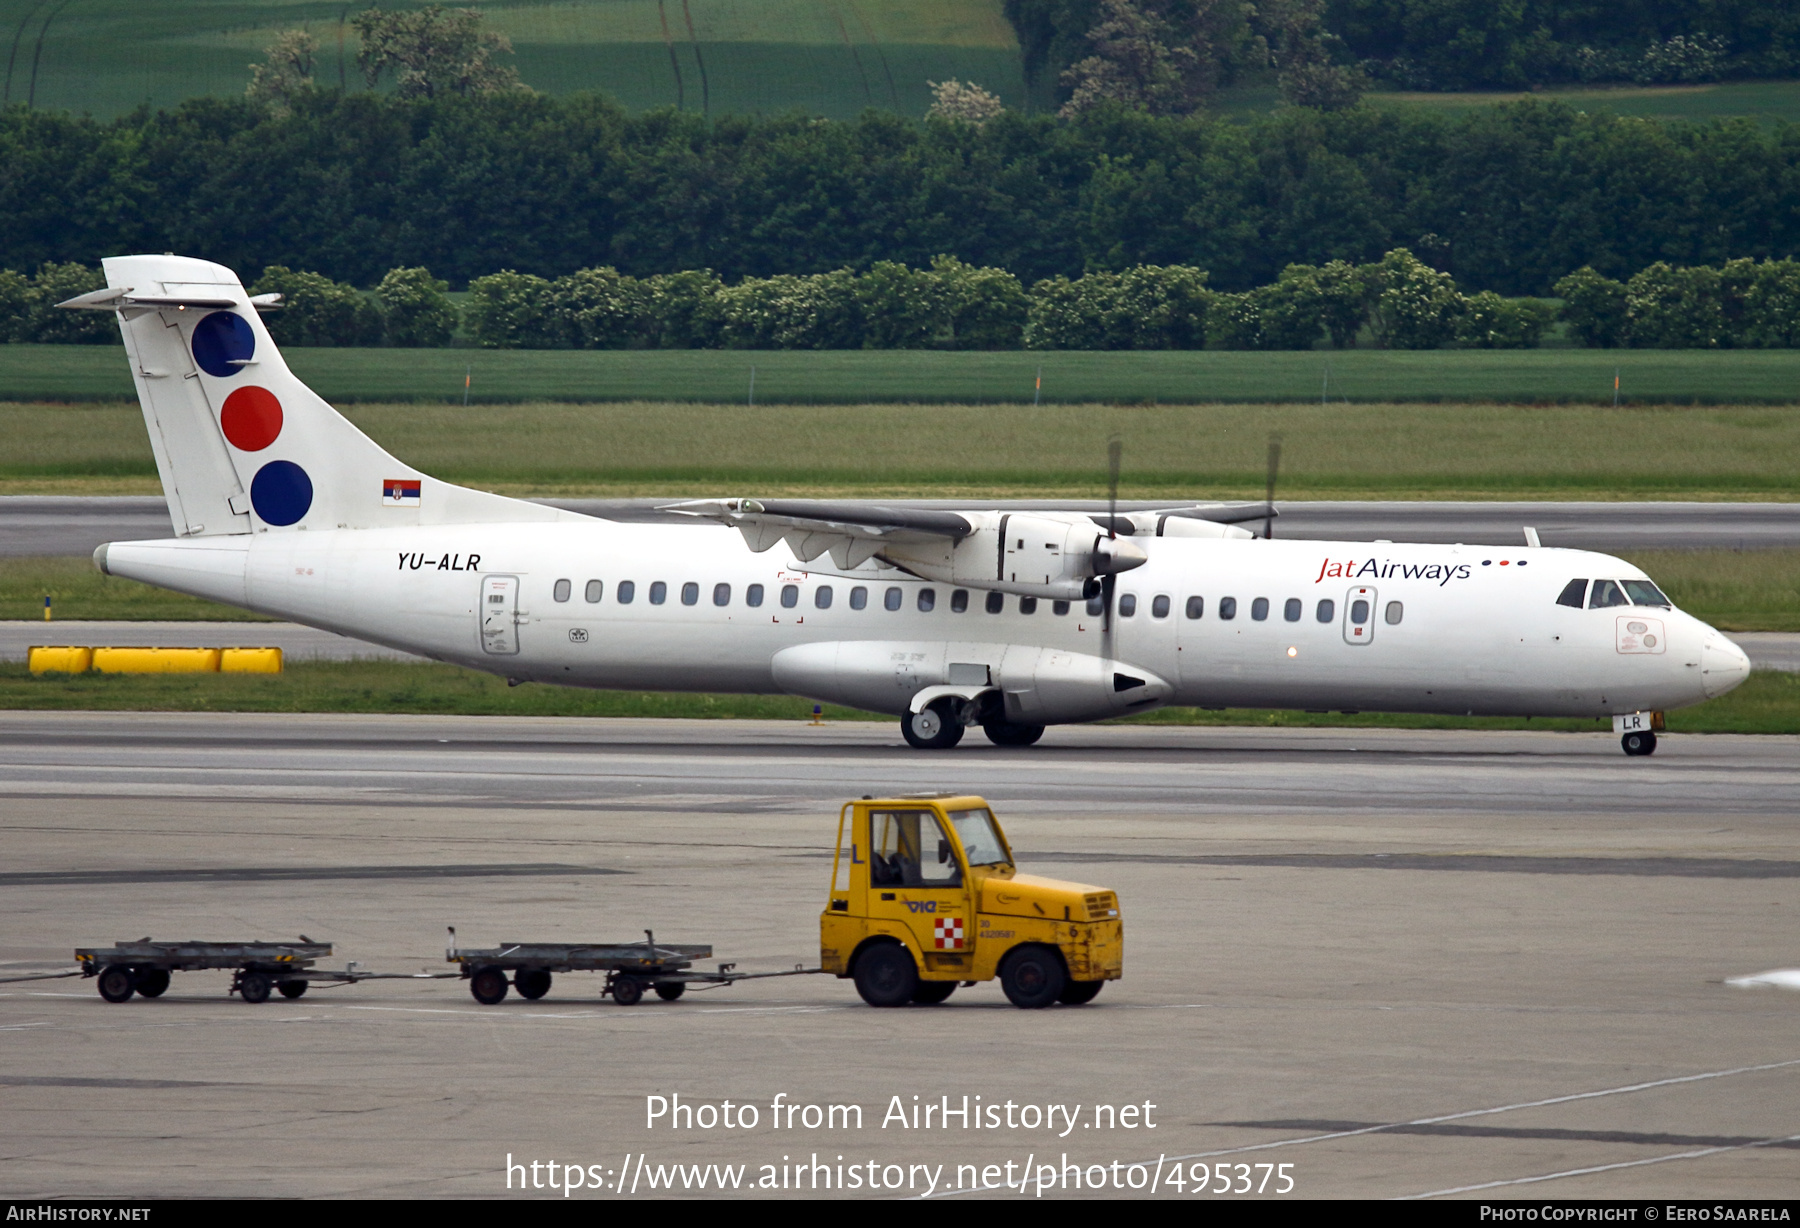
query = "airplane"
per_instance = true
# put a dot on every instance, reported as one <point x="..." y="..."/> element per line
<point x="1010" y="620"/>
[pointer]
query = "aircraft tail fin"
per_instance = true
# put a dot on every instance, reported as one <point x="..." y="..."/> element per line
<point x="241" y="444"/>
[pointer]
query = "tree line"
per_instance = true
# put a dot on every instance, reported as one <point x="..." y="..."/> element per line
<point x="1398" y="302"/>
<point x="1506" y="199"/>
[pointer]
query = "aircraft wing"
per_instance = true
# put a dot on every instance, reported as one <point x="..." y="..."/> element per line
<point x="852" y="533"/>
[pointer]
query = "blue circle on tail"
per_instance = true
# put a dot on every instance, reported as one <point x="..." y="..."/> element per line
<point x="281" y="492"/>
<point x="220" y="338"/>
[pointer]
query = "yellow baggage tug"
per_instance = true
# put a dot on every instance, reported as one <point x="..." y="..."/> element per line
<point x="925" y="896"/>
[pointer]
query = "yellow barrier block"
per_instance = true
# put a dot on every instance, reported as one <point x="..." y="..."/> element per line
<point x="63" y="660"/>
<point x="157" y="660"/>
<point x="250" y="661"/>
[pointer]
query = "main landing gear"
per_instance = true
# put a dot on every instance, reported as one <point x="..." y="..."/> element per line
<point x="1641" y="742"/>
<point x="939" y="727"/>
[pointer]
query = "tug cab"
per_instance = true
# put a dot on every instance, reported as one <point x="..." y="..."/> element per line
<point x="925" y="896"/>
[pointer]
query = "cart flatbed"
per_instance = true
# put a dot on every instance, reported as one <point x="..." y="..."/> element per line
<point x="143" y="967"/>
<point x="630" y="968"/>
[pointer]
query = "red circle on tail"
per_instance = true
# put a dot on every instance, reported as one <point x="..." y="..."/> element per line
<point x="251" y="418"/>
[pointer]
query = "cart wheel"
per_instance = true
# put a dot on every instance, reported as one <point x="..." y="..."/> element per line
<point x="116" y="983"/>
<point x="488" y="985"/>
<point x="626" y="990"/>
<point x="1032" y="976"/>
<point x="532" y="983"/>
<point x="292" y="989"/>
<point x="1075" y="993"/>
<point x="668" y="991"/>
<point x="930" y="993"/>
<point x="885" y="975"/>
<point x="153" y="982"/>
<point x="253" y="987"/>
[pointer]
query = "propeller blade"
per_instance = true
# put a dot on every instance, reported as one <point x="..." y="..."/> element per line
<point x="1274" y="470"/>
<point x="1115" y="451"/>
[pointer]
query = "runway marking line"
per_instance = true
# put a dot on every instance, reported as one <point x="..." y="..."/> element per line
<point x="1504" y="1108"/>
<point x="1601" y="1168"/>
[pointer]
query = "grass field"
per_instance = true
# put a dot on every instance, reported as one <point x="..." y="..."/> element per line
<point x="1753" y="590"/>
<point x="801" y="377"/>
<point x="1767" y="703"/>
<point x="827" y="57"/>
<point x="1171" y="451"/>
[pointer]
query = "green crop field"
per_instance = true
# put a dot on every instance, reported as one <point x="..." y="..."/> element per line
<point x="1763" y="100"/>
<point x="344" y="376"/>
<point x="828" y="57"/>
<point x="1171" y="451"/>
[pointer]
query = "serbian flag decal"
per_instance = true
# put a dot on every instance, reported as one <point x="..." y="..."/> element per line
<point x="400" y="492"/>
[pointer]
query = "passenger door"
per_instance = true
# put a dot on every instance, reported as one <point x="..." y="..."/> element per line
<point x="916" y="877"/>
<point x="500" y="615"/>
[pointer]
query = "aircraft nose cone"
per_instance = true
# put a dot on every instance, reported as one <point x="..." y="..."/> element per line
<point x="1723" y="665"/>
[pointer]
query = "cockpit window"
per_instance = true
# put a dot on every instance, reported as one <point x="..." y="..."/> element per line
<point x="1572" y="593"/>
<point x="1642" y="592"/>
<point x="1606" y="593"/>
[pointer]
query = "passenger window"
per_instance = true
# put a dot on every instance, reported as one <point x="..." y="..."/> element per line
<point x="1259" y="609"/>
<point x="1028" y="605"/>
<point x="1059" y="608"/>
<point x="959" y="601"/>
<point x="996" y="602"/>
<point x="1606" y="593"/>
<point x="1228" y="608"/>
<point x="1327" y="610"/>
<point x="721" y="594"/>
<point x="909" y="849"/>
<point x="790" y="596"/>
<point x="594" y="591"/>
<point x="1359" y="612"/>
<point x="626" y="592"/>
<point x="859" y="598"/>
<point x="690" y="593"/>
<point x="822" y="597"/>
<point x="1573" y="593"/>
<point x="1642" y="592"/>
<point x="1395" y="612"/>
<point x="1127" y="605"/>
<point x="1196" y="607"/>
<point x="753" y="596"/>
<point x="1291" y="610"/>
<point x="891" y="599"/>
<point x="927" y="600"/>
<point x="561" y="591"/>
<point x="1159" y="606"/>
<point x="659" y="593"/>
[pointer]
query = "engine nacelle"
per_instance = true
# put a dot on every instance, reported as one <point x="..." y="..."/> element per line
<point x="1031" y="555"/>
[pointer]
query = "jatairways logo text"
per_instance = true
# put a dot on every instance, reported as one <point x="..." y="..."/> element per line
<point x="1381" y="569"/>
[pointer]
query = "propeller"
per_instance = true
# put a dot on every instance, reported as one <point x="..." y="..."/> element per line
<point x="1274" y="469"/>
<point x="1115" y="451"/>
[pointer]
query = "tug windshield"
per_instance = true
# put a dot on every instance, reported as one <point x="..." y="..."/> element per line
<point x="980" y="838"/>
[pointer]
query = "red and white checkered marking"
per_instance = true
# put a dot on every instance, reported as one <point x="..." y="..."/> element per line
<point x="947" y="933"/>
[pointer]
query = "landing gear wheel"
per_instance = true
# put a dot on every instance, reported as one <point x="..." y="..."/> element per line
<point x="627" y="990"/>
<point x="1641" y="743"/>
<point x="1005" y="733"/>
<point x="532" y="983"/>
<point x="1032" y="977"/>
<point x="116" y="983"/>
<point x="669" y="991"/>
<point x="290" y="989"/>
<point x="153" y="982"/>
<point x="886" y="976"/>
<point x="1078" y="993"/>
<point x="253" y="987"/>
<point x="936" y="728"/>
<point x="488" y="985"/>
<point x="930" y="993"/>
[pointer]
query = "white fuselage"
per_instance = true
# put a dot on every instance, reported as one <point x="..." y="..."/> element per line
<point x="1453" y="629"/>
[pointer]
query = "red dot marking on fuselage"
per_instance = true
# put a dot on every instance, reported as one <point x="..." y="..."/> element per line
<point x="251" y="418"/>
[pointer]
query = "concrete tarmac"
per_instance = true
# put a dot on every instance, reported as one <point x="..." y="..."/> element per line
<point x="1399" y="963"/>
<point x="69" y="525"/>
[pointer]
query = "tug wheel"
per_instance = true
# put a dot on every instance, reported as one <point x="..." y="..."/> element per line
<point x="930" y="993"/>
<point x="1077" y="993"/>
<point x="885" y="975"/>
<point x="1032" y="977"/>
